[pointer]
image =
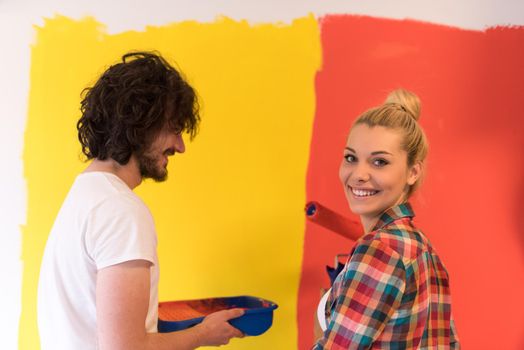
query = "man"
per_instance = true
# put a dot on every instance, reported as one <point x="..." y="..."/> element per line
<point x="98" y="285"/>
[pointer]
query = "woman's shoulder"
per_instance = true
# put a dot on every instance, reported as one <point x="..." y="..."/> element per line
<point x="403" y="238"/>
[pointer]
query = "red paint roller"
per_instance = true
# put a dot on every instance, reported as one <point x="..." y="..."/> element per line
<point x="333" y="221"/>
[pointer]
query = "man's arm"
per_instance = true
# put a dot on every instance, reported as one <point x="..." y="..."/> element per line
<point x="122" y="300"/>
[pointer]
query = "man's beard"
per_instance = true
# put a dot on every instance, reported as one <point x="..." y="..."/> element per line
<point x="149" y="168"/>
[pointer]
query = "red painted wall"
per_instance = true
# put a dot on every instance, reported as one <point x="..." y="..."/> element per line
<point x="471" y="85"/>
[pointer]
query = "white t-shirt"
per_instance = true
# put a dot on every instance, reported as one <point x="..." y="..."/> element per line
<point x="101" y="223"/>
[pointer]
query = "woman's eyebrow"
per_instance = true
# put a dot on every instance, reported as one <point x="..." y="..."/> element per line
<point x="380" y="152"/>
<point x="372" y="153"/>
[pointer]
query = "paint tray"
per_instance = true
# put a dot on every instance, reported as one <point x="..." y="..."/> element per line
<point x="178" y="315"/>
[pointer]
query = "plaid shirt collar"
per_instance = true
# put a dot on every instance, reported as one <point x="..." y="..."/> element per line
<point x="397" y="212"/>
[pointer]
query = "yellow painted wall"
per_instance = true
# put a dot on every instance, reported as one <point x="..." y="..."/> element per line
<point x="229" y="219"/>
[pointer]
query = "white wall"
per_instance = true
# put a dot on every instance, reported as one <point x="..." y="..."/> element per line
<point x="16" y="34"/>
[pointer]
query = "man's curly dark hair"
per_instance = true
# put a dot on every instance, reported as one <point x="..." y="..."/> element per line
<point x="129" y="105"/>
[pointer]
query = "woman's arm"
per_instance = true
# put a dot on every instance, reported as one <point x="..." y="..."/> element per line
<point x="372" y="288"/>
<point x="454" y="340"/>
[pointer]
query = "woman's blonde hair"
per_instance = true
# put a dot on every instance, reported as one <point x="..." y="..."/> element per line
<point x="401" y="111"/>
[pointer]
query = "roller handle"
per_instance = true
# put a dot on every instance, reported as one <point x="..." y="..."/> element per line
<point x="333" y="221"/>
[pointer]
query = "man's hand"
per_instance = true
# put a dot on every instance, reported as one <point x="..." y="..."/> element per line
<point x="215" y="330"/>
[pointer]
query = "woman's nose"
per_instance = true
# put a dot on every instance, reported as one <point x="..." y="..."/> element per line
<point x="360" y="173"/>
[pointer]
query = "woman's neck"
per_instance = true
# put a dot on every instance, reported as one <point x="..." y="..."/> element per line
<point x="368" y="223"/>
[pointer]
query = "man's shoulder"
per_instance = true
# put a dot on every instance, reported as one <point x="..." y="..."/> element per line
<point x="105" y="192"/>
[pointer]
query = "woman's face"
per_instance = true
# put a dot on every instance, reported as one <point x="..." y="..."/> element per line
<point x="374" y="171"/>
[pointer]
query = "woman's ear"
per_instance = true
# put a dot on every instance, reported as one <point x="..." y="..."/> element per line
<point x="414" y="173"/>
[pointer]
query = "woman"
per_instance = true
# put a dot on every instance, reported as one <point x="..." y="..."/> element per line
<point x="393" y="292"/>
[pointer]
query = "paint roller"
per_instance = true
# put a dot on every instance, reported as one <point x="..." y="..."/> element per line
<point x="333" y="221"/>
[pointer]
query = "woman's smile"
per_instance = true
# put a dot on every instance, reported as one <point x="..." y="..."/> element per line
<point x="360" y="193"/>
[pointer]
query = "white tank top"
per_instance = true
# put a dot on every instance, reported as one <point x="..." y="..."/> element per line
<point x="321" y="311"/>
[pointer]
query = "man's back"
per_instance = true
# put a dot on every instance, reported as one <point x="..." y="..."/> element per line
<point x="101" y="223"/>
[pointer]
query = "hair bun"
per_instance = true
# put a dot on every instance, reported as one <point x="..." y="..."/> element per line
<point x="408" y="100"/>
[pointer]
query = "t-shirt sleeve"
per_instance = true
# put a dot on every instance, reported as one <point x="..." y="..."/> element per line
<point x="372" y="288"/>
<point x="120" y="229"/>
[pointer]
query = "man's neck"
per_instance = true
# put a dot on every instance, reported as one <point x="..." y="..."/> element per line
<point x="128" y="173"/>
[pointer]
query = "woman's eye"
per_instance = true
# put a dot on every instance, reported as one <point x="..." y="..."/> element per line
<point x="350" y="158"/>
<point x="380" y="162"/>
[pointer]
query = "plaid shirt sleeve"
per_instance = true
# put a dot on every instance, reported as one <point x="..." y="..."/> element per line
<point x="369" y="291"/>
<point x="454" y="344"/>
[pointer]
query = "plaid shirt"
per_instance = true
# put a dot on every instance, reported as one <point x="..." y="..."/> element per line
<point x="393" y="292"/>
